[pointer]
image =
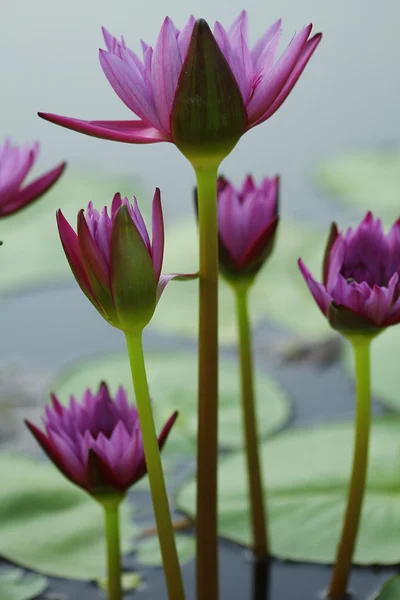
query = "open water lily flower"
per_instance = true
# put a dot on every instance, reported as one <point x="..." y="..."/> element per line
<point x="97" y="443"/>
<point x="360" y="289"/>
<point x="15" y="164"/>
<point x="247" y="224"/>
<point x="149" y="85"/>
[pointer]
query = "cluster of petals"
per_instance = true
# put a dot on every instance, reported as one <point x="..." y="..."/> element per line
<point x="97" y="444"/>
<point x="148" y="85"/>
<point x="15" y="164"/>
<point x="95" y="251"/>
<point x="247" y="223"/>
<point x="360" y="288"/>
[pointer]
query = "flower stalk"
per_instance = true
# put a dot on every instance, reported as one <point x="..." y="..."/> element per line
<point x="254" y="474"/>
<point x="207" y="450"/>
<point x="111" y="515"/>
<point x="361" y="345"/>
<point x="158" y="490"/>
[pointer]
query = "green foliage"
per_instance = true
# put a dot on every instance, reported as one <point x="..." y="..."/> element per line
<point x="49" y="525"/>
<point x="306" y="473"/>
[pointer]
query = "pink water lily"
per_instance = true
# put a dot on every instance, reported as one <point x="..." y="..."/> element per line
<point x="247" y="223"/>
<point x="360" y="288"/>
<point x="148" y="85"/>
<point x="15" y="164"/>
<point x="114" y="261"/>
<point x="97" y="443"/>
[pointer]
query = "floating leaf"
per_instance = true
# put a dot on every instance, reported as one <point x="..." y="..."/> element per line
<point x="129" y="582"/>
<point x="49" y="525"/>
<point x="390" y="590"/>
<point x="173" y="386"/>
<point x="368" y="179"/>
<point x="32" y="254"/>
<point x="278" y="296"/>
<point x="307" y="474"/>
<point x="149" y="553"/>
<point x="15" y="585"/>
<point x="385" y="352"/>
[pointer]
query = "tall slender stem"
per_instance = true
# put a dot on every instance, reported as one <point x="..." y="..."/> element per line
<point x="207" y="450"/>
<point x="341" y="571"/>
<point x="258" y="514"/>
<point x="154" y="468"/>
<point x="111" y="514"/>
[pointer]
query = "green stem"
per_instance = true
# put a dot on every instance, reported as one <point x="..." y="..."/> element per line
<point x="207" y="450"/>
<point x="154" y="468"/>
<point x="111" y="514"/>
<point x="258" y="514"/>
<point x="341" y="570"/>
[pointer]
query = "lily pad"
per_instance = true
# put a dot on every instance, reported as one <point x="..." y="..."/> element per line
<point x="31" y="254"/>
<point x="15" y="585"/>
<point x="49" y="525"/>
<point x="385" y="350"/>
<point x="367" y="179"/>
<point x="390" y="590"/>
<point x="173" y="386"/>
<point x="149" y="552"/>
<point x="129" y="582"/>
<point x="307" y="474"/>
<point x="278" y="296"/>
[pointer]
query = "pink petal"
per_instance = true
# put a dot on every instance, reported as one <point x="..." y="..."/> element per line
<point x="320" y="295"/>
<point x="93" y="259"/>
<point x="33" y="191"/>
<point x="165" y="70"/>
<point x="184" y="38"/>
<point x="14" y="168"/>
<point x="70" y="243"/>
<point x="270" y="87"/>
<point x="128" y="84"/>
<point x="165" y="279"/>
<point x="263" y="43"/>
<point x="306" y="54"/>
<point x="130" y="132"/>
<point x="157" y="234"/>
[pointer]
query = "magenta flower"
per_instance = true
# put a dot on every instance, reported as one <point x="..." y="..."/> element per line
<point x="97" y="444"/>
<point x="148" y="86"/>
<point x="114" y="261"/>
<point x="360" y="289"/>
<point x="15" y="164"/>
<point x="247" y="223"/>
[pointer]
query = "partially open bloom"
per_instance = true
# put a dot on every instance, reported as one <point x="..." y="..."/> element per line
<point x="360" y="289"/>
<point x="247" y="223"/>
<point x="150" y="86"/>
<point x="15" y="164"/>
<point x="97" y="443"/>
<point x="114" y="261"/>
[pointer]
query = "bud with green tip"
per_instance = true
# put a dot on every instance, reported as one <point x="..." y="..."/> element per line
<point x="115" y="263"/>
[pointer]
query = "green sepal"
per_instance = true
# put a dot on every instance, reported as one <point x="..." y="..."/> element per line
<point x="208" y="115"/>
<point x="133" y="280"/>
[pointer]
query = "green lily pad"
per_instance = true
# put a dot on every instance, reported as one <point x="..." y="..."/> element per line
<point x="49" y="525"/>
<point x="149" y="553"/>
<point x="307" y="474"/>
<point x="173" y="386"/>
<point x="129" y="582"/>
<point x="369" y="180"/>
<point x="31" y="254"/>
<point x="15" y="585"/>
<point x="390" y="590"/>
<point x="385" y="376"/>
<point x="279" y="295"/>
